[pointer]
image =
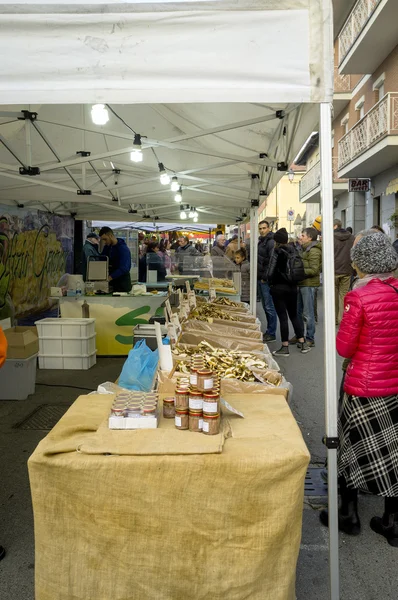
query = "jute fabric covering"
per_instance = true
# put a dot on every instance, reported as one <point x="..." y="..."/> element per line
<point x="222" y="526"/>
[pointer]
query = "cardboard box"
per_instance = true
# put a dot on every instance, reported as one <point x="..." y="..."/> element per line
<point x="23" y="342"/>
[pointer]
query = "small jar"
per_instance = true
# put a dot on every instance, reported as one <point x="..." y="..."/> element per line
<point x="168" y="408"/>
<point x="193" y="377"/>
<point x="205" y="380"/>
<point x="181" y="418"/>
<point x="211" y="423"/>
<point x="182" y="398"/>
<point x="195" y="420"/>
<point x="195" y="400"/>
<point x="211" y="402"/>
<point x="117" y="412"/>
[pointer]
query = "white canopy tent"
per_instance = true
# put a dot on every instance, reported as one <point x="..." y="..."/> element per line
<point x="225" y="92"/>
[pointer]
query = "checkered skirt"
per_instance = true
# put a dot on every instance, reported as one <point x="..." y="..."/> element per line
<point x="368" y="444"/>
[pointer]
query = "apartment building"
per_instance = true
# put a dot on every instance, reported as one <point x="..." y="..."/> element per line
<point x="365" y="126"/>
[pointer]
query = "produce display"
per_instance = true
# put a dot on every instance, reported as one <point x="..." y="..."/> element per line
<point x="208" y="312"/>
<point x="223" y="301"/>
<point x="228" y="364"/>
<point x="224" y="286"/>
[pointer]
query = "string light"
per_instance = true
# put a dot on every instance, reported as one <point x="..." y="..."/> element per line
<point x="136" y="155"/>
<point x="178" y="196"/>
<point x="175" y="186"/>
<point x="195" y="214"/>
<point x="195" y="219"/>
<point x="191" y="213"/>
<point x="99" y="114"/>
<point x="182" y="213"/>
<point x="164" y="176"/>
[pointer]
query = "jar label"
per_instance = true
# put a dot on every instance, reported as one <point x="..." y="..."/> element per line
<point x="178" y="421"/>
<point x="195" y="404"/>
<point x="208" y="384"/>
<point x="193" y="379"/>
<point x="210" y="407"/>
<point x="200" y="424"/>
<point x="205" y="427"/>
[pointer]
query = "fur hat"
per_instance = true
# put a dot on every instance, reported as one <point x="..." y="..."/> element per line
<point x="374" y="254"/>
<point x="281" y="236"/>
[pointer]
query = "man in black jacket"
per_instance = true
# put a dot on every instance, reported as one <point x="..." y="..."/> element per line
<point x="265" y="247"/>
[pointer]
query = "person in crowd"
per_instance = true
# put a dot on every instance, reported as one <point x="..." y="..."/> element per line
<point x="368" y="421"/>
<point x="349" y="229"/>
<point x="3" y="355"/>
<point x="185" y="250"/>
<point x="395" y="245"/>
<point x="265" y="249"/>
<point x="312" y="259"/>
<point x="218" y="249"/>
<point x="378" y="228"/>
<point x="155" y="262"/>
<point x="90" y="250"/>
<point x="142" y="246"/>
<point x="284" y="293"/>
<point x="317" y="224"/>
<point x="244" y="266"/>
<point x="119" y="256"/>
<point x="232" y="248"/>
<point x="218" y="232"/>
<point x="343" y="241"/>
<point x="165" y="253"/>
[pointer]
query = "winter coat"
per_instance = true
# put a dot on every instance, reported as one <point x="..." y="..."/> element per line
<point x="119" y="265"/>
<point x="265" y="246"/>
<point x="278" y="277"/>
<point x="217" y="251"/>
<point x="368" y="335"/>
<point x="3" y="347"/>
<point x="183" y="252"/>
<point x="245" y="280"/>
<point x="312" y="259"/>
<point x="395" y="245"/>
<point x="343" y="242"/>
<point x="231" y="249"/>
<point x="155" y="263"/>
<point x="89" y="250"/>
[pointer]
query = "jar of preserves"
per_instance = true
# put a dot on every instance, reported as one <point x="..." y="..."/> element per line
<point x="182" y="398"/>
<point x="195" y="420"/>
<point x="205" y="380"/>
<point x="211" y="402"/>
<point x="181" y="418"/>
<point x="193" y="376"/>
<point x="211" y="423"/>
<point x="195" y="400"/>
<point x="169" y="408"/>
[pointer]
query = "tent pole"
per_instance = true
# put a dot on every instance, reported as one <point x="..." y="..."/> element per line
<point x="330" y="346"/>
<point x="253" y="260"/>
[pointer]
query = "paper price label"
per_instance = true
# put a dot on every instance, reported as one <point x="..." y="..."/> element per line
<point x="231" y="408"/>
<point x="188" y="286"/>
<point x="212" y="294"/>
<point x="177" y="324"/>
<point x="168" y="308"/>
<point x="192" y="299"/>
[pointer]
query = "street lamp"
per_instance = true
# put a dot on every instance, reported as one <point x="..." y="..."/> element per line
<point x="290" y="175"/>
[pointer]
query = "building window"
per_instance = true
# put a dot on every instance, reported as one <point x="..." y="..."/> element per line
<point x="344" y="122"/>
<point x="332" y="138"/>
<point x="378" y="87"/>
<point x="360" y="108"/>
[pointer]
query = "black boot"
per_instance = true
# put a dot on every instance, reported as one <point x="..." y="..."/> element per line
<point x="387" y="525"/>
<point x="348" y="512"/>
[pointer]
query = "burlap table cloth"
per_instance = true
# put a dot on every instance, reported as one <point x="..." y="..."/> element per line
<point x="186" y="527"/>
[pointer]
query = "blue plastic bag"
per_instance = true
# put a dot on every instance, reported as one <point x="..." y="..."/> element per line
<point x="139" y="369"/>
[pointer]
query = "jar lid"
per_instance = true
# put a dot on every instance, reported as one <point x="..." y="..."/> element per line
<point x="182" y="391"/>
<point x="168" y="400"/>
<point x="195" y="393"/>
<point x="205" y="372"/>
<point x="194" y="369"/>
<point x="195" y="412"/>
<point x="211" y="415"/>
<point x="181" y="411"/>
<point x="212" y="394"/>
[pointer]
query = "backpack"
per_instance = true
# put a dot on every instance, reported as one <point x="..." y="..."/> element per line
<point x="294" y="267"/>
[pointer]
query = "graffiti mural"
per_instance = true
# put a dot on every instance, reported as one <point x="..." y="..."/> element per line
<point x="36" y="249"/>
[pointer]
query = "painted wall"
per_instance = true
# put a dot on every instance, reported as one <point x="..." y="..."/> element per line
<point x="284" y="196"/>
<point x="351" y="210"/>
<point x="36" y="249"/>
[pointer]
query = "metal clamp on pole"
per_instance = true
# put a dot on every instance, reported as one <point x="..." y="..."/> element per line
<point x="331" y="443"/>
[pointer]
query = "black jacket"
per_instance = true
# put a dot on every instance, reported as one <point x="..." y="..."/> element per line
<point x="155" y="263"/>
<point x="265" y="247"/>
<point x="277" y="276"/>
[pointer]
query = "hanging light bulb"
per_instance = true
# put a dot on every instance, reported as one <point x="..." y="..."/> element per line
<point x="195" y="219"/>
<point x="175" y="186"/>
<point x="136" y="155"/>
<point x="178" y="196"/>
<point x="195" y="214"/>
<point x="99" y="114"/>
<point x="164" y="176"/>
<point x="182" y="213"/>
<point x="191" y="213"/>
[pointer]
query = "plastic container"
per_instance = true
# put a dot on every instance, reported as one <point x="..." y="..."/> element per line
<point x="18" y="378"/>
<point x="65" y="328"/>
<point x="77" y="363"/>
<point x="67" y="347"/>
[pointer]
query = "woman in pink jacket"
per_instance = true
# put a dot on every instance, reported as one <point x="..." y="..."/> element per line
<point x="368" y="420"/>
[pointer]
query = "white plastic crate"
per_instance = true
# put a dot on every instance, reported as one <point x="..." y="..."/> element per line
<point x="65" y="328"/>
<point x="18" y="378"/>
<point x="67" y="346"/>
<point x="76" y="363"/>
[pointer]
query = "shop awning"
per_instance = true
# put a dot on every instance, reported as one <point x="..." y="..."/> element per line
<point x="392" y="187"/>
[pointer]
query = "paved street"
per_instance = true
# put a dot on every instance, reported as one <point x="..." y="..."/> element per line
<point x="368" y="563"/>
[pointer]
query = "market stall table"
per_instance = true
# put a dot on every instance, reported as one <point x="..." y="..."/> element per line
<point x="150" y="526"/>
<point x="115" y="317"/>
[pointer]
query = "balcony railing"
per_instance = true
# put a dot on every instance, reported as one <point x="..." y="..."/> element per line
<point x="381" y="120"/>
<point x="312" y="179"/>
<point x="342" y="83"/>
<point x="354" y="25"/>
